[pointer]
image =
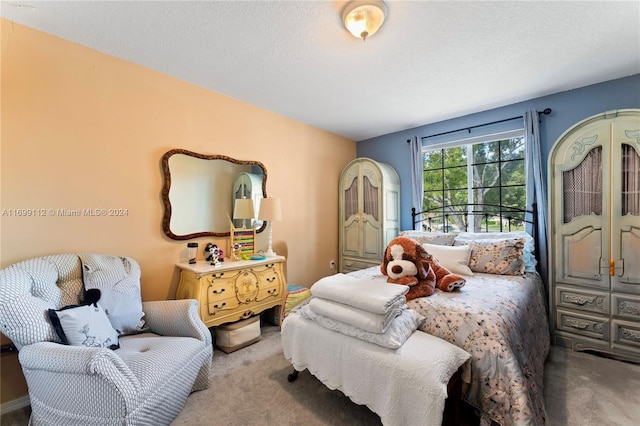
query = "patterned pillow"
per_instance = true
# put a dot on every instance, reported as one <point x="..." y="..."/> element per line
<point x="118" y="279"/>
<point x="84" y="325"/>
<point x="501" y="257"/>
<point x="528" y="252"/>
<point x="436" y="238"/>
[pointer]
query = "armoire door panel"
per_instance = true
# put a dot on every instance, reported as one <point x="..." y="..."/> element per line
<point x="371" y="239"/>
<point x="351" y="243"/>
<point x="581" y="254"/>
<point x="627" y="268"/>
<point x="391" y="211"/>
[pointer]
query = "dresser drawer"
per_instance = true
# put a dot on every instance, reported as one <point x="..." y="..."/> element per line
<point x="587" y="325"/>
<point x="582" y="300"/>
<point x="626" y="333"/>
<point x="626" y="306"/>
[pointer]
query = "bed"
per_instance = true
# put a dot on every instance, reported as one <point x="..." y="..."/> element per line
<point x="501" y="321"/>
<point x="499" y="317"/>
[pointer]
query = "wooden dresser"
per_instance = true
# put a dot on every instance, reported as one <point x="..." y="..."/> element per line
<point x="234" y="291"/>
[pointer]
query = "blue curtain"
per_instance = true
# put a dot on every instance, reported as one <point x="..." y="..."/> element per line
<point x="536" y="193"/>
<point x="417" y="178"/>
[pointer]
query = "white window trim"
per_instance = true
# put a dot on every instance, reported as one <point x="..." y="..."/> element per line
<point x="476" y="139"/>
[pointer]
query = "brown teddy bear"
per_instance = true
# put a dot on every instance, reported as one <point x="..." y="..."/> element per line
<point x="445" y="279"/>
<point x="407" y="262"/>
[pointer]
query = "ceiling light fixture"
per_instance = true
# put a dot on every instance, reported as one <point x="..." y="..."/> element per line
<point x="363" y="18"/>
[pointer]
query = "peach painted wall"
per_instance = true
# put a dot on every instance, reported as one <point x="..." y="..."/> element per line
<point x="81" y="129"/>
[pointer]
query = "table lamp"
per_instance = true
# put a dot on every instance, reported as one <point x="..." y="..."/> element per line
<point x="243" y="209"/>
<point x="270" y="210"/>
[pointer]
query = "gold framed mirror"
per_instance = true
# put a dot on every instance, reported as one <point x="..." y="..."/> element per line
<point x="198" y="193"/>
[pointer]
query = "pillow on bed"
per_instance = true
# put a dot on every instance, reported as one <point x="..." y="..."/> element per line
<point x="437" y="238"/>
<point x="528" y="251"/>
<point x="501" y="257"/>
<point x="454" y="258"/>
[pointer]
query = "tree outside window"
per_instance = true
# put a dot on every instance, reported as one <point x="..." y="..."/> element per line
<point x="475" y="179"/>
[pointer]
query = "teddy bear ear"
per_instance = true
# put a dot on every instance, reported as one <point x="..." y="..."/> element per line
<point x="422" y="252"/>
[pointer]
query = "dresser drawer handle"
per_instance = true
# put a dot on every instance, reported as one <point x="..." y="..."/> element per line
<point x="272" y="291"/>
<point x="579" y="300"/>
<point x="631" y="334"/>
<point x="247" y="314"/>
<point x="220" y="306"/>
<point x="218" y="291"/>
<point x="630" y="308"/>
<point x="577" y="324"/>
<point x="271" y="279"/>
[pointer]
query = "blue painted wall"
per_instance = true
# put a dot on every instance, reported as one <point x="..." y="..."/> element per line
<point x="568" y="108"/>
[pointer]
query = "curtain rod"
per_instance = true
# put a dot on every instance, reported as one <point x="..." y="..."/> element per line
<point x="546" y="111"/>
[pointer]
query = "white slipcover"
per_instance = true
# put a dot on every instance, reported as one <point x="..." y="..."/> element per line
<point x="144" y="382"/>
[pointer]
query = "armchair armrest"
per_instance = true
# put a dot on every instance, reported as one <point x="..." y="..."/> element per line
<point x="176" y="318"/>
<point x="63" y="366"/>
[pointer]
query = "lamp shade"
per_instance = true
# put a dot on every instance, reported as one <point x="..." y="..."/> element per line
<point x="243" y="209"/>
<point x="364" y="18"/>
<point x="270" y="209"/>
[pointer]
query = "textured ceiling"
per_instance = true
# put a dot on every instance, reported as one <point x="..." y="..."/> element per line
<point x="430" y="61"/>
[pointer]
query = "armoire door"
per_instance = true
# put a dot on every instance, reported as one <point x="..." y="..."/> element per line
<point x="625" y="211"/>
<point x="362" y="203"/>
<point x="580" y="213"/>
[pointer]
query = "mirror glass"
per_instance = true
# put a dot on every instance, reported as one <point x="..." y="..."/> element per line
<point x="199" y="192"/>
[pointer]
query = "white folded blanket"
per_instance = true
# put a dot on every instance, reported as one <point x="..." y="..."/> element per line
<point x="372" y="296"/>
<point x="365" y="320"/>
<point x="401" y="328"/>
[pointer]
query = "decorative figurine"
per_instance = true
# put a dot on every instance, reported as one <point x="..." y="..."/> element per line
<point x="235" y="249"/>
<point x="213" y="254"/>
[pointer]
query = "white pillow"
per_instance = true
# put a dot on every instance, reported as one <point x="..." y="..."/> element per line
<point x="454" y="258"/>
<point x="84" y="325"/>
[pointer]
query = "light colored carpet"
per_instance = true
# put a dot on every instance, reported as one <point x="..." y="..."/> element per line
<point x="250" y="387"/>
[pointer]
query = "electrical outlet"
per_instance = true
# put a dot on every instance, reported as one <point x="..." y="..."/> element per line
<point x="332" y="264"/>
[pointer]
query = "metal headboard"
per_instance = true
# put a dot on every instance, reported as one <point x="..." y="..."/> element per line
<point x="507" y="216"/>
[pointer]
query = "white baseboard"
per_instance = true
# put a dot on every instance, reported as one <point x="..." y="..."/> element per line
<point x="16" y="404"/>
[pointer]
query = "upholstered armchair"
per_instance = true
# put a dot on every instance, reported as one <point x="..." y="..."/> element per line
<point x="146" y="381"/>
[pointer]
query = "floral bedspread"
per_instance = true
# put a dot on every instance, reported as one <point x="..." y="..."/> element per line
<point x="502" y="322"/>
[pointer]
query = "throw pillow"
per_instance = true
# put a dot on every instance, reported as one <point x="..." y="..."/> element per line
<point x="454" y="258"/>
<point x="502" y="257"/>
<point x="528" y="251"/>
<point x="118" y="279"/>
<point x="430" y="237"/>
<point x="84" y="325"/>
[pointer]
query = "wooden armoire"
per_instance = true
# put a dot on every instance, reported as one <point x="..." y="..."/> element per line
<point x="594" y="212"/>
<point x="369" y="213"/>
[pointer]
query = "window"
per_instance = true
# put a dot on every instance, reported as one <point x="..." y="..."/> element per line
<point x="473" y="186"/>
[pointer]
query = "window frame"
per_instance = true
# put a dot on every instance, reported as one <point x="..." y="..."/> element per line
<point x="470" y="219"/>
